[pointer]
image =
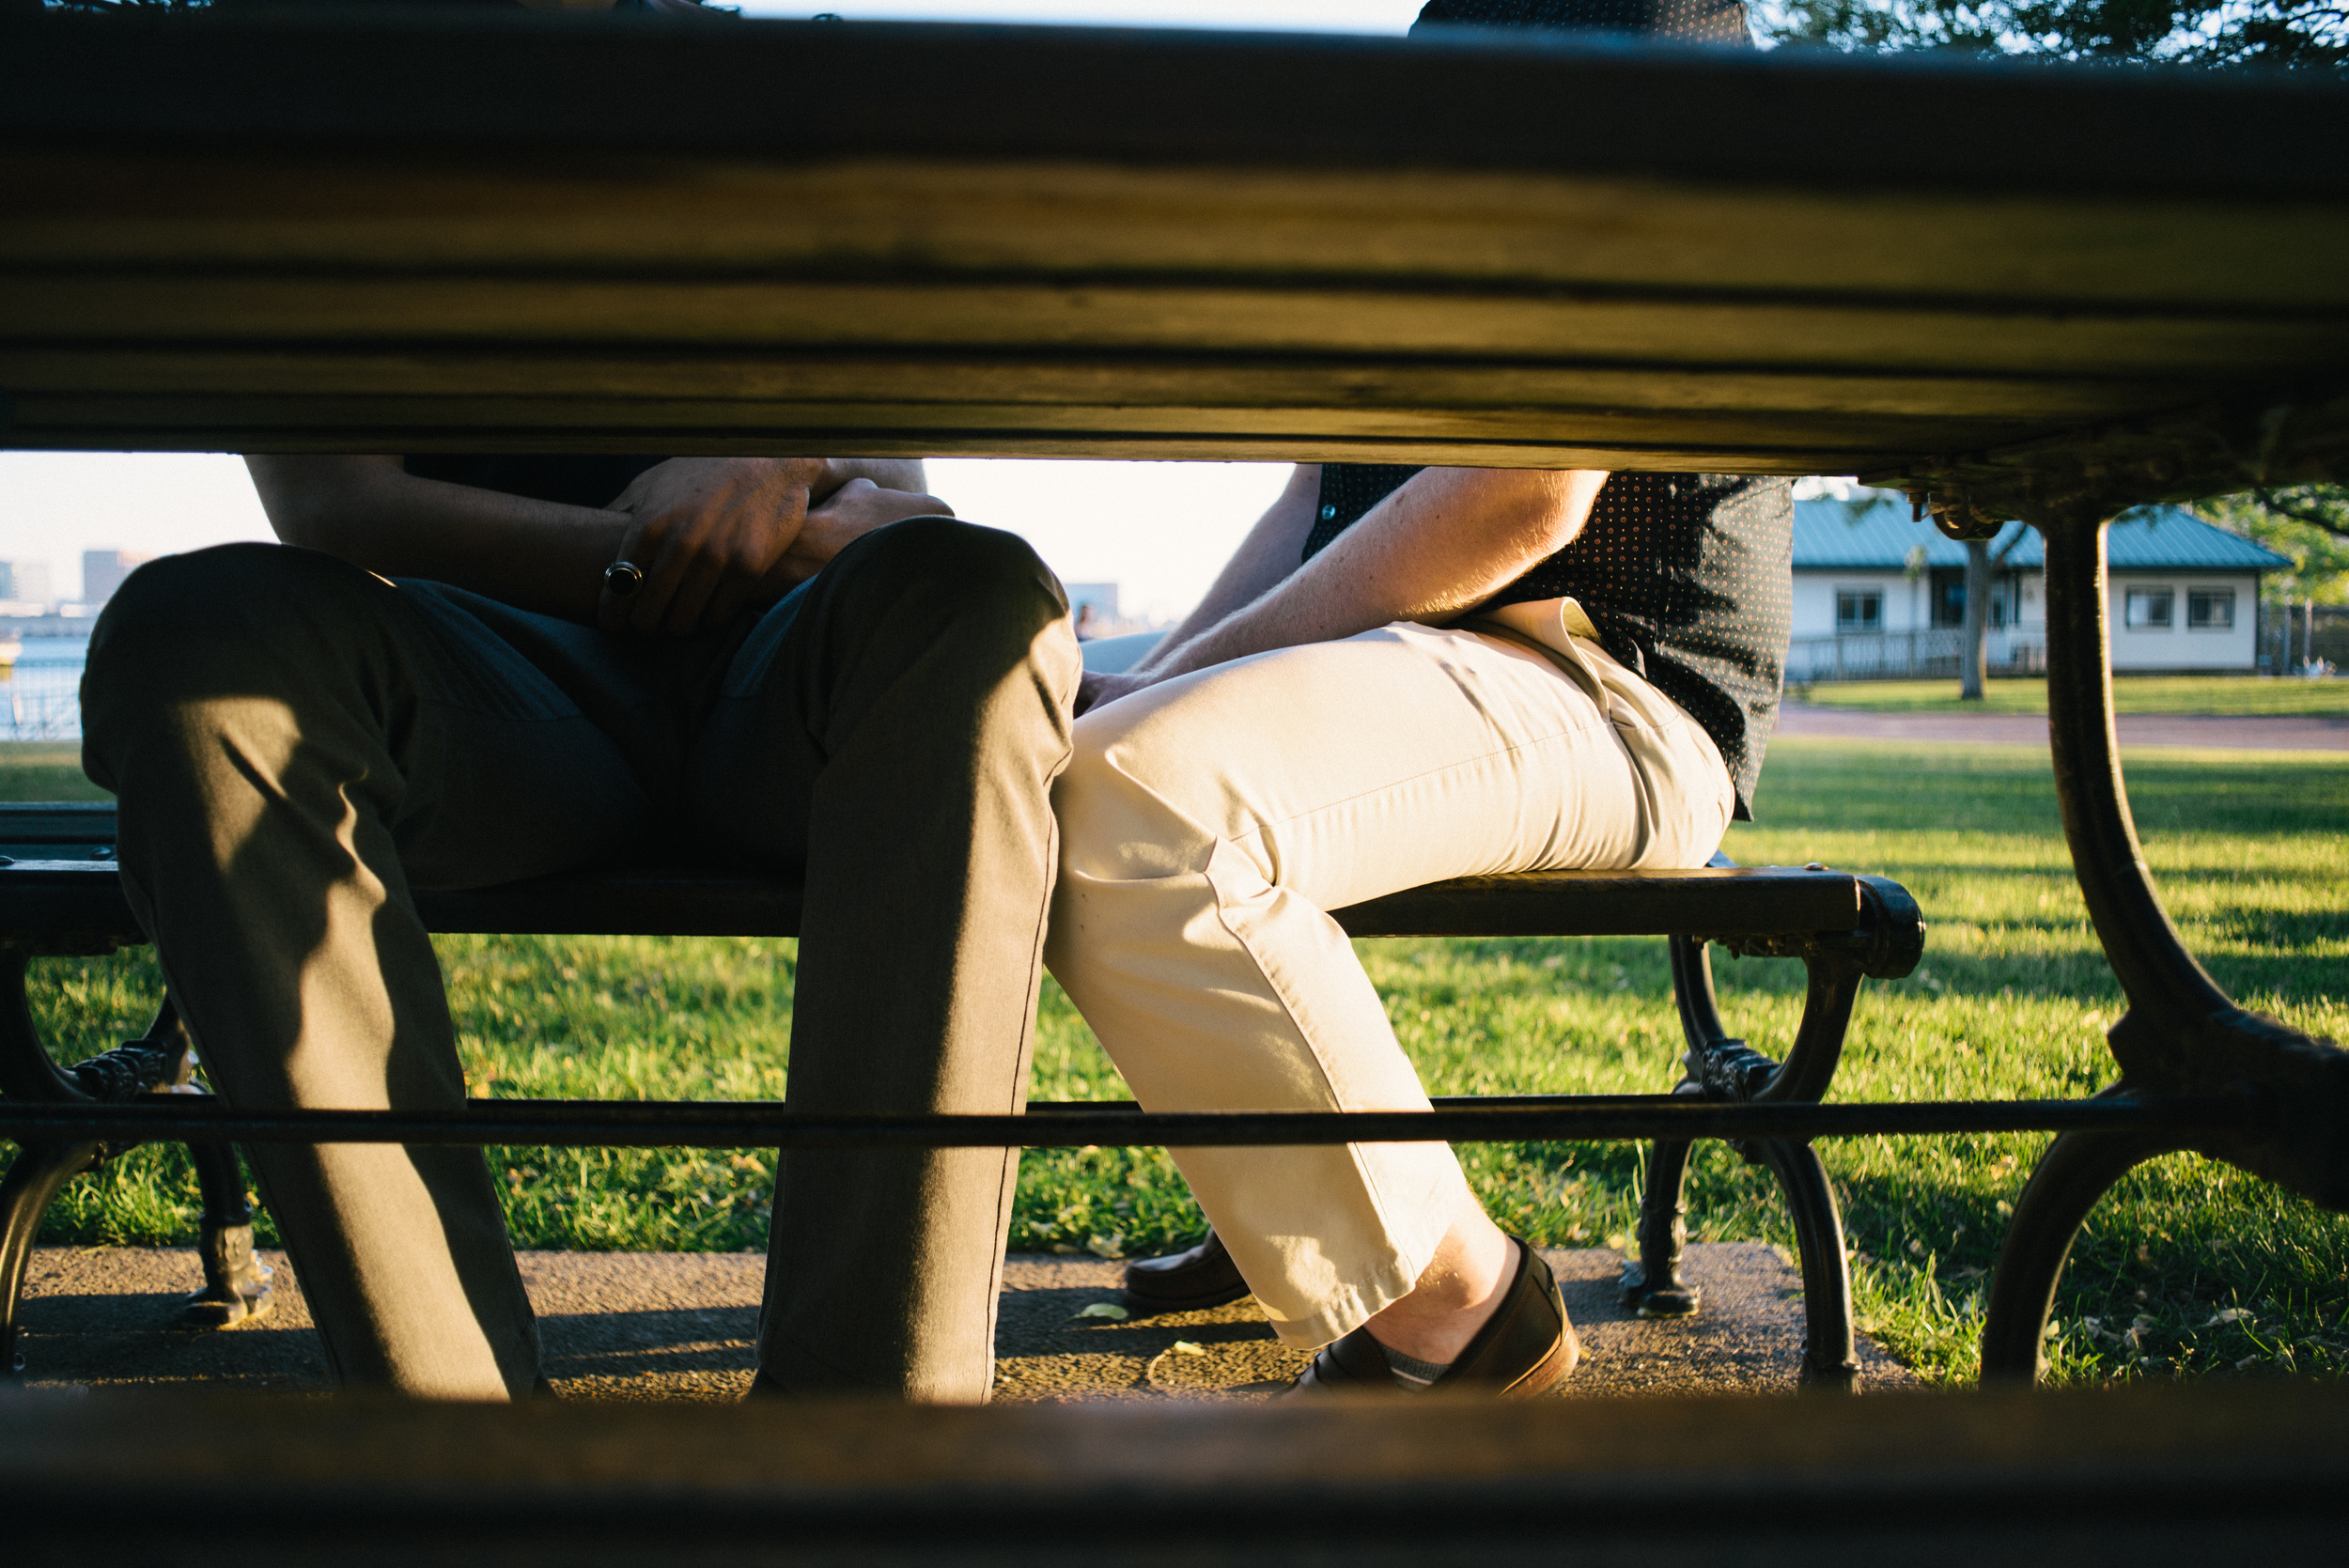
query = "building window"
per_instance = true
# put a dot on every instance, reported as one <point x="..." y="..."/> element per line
<point x="1948" y="597"/>
<point x="2210" y="610"/>
<point x="1859" y="609"/>
<point x="2149" y="609"/>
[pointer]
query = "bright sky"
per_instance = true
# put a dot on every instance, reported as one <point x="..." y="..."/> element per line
<point x="1157" y="530"/>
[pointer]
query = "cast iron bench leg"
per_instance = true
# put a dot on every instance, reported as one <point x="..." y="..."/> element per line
<point x="1830" y="1360"/>
<point x="1653" y="1287"/>
<point x="1722" y="1067"/>
<point x="2070" y="1179"/>
<point x="236" y="1284"/>
<point x="2182" y="1034"/>
<point x="35" y="1176"/>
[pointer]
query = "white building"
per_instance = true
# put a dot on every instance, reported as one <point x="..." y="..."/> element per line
<point x="1881" y="596"/>
<point x="24" y="587"/>
<point x="102" y="571"/>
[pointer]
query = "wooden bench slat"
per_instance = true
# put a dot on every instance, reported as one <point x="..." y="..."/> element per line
<point x="64" y="887"/>
<point x="1183" y="246"/>
<point x="2255" y="1471"/>
<point x="1724" y="901"/>
<point x="82" y="898"/>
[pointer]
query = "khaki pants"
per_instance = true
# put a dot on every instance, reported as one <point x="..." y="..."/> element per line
<point x="1209" y="822"/>
<point x="296" y="744"/>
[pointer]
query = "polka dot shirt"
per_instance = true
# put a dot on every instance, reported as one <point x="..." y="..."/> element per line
<point x="1689" y="20"/>
<point x="1688" y="577"/>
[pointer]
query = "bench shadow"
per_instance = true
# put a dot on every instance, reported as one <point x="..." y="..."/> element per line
<point x="136" y="1337"/>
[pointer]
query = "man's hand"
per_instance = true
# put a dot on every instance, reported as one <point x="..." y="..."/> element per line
<point x="708" y="532"/>
<point x="849" y="513"/>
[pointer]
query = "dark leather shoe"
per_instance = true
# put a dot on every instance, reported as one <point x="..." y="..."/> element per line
<point x="1525" y="1349"/>
<point x="1203" y="1277"/>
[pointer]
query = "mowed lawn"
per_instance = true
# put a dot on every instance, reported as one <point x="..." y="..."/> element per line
<point x="2196" y="695"/>
<point x="2189" y="1270"/>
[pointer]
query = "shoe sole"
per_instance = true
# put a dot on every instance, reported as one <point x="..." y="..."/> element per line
<point x="1143" y="1306"/>
<point x="1551" y="1371"/>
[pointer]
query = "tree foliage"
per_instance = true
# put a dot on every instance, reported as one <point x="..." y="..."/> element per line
<point x="2297" y="34"/>
<point x="2306" y="523"/>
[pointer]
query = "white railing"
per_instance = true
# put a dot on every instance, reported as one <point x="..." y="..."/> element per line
<point x="1905" y="655"/>
<point x="42" y="701"/>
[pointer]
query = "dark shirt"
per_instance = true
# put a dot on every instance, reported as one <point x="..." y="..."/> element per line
<point x="575" y="478"/>
<point x="1688" y="578"/>
<point x="1683" y="21"/>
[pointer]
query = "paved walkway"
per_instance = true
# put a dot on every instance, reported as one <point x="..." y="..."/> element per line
<point x="2249" y="733"/>
<point x="681" y="1325"/>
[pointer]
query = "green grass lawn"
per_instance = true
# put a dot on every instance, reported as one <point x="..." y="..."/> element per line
<point x="2130" y="694"/>
<point x="44" y="771"/>
<point x="2191" y="1269"/>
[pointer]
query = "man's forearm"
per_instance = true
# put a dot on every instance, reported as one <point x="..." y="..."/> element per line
<point x="540" y="556"/>
<point x="534" y="555"/>
<point x="1446" y="542"/>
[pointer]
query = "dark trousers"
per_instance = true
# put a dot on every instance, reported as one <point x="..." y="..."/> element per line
<point x="297" y="743"/>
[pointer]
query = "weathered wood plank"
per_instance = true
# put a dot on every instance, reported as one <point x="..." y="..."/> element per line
<point x="640" y="212"/>
<point x="1498" y="391"/>
<point x="251" y="311"/>
<point x="2154" y="1476"/>
<point x="296" y="234"/>
<point x="1543" y="438"/>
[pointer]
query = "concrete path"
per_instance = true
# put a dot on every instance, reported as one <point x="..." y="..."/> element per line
<point x="680" y="1325"/>
<point x="2249" y="733"/>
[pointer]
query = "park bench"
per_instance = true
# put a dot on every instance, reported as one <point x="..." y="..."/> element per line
<point x="2045" y="295"/>
<point x="60" y="894"/>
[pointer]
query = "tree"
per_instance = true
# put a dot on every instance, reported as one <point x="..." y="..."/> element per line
<point x="2308" y="525"/>
<point x="1973" y="655"/>
<point x="2293" y="33"/>
<point x="2308" y="522"/>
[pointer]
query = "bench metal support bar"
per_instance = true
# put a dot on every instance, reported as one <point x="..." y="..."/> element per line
<point x="724" y="1124"/>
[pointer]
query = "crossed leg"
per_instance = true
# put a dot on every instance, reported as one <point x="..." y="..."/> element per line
<point x="1209" y="825"/>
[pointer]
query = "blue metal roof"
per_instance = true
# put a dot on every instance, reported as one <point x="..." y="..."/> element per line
<point x="1876" y="533"/>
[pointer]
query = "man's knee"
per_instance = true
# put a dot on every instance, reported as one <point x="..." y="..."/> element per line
<point x="209" y="624"/>
<point x="957" y="566"/>
<point x="1116" y="824"/>
<point x="187" y="609"/>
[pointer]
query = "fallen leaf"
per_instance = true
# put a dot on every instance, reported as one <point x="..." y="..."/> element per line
<point x="1109" y="1310"/>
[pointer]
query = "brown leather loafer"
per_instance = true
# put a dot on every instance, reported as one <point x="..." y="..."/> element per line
<point x="1525" y="1349"/>
<point x="1186" y="1282"/>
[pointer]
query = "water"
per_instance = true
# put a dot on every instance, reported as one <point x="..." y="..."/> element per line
<point x="41" y="698"/>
